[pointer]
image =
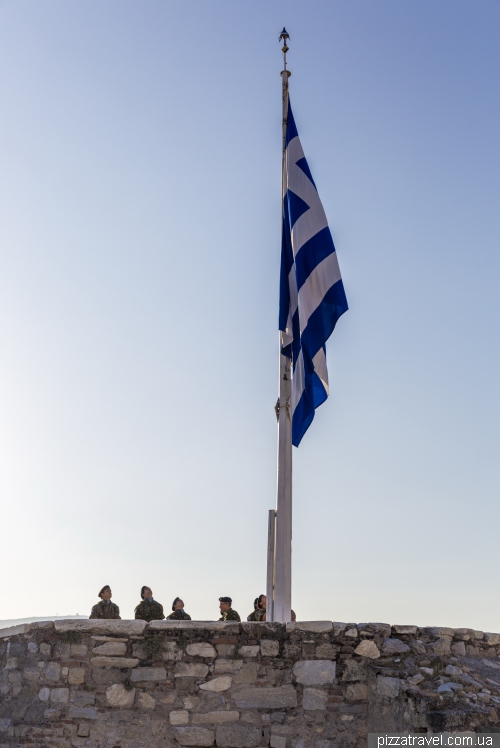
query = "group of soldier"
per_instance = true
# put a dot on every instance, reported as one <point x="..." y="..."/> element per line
<point x="150" y="610"/>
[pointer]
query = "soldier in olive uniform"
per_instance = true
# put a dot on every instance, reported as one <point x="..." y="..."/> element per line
<point x="105" y="609"/>
<point x="149" y="609"/>
<point x="228" y="614"/>
<point x="178" y="612"/>
<point x="259" y="613"/>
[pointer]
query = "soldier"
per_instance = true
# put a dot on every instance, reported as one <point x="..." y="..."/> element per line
<point x="178" y="612"/>
<point x="228" y="614"/>
<point x="149" y="609"/>
<point x="105" y="609"/>
<point x="259" y="613"/>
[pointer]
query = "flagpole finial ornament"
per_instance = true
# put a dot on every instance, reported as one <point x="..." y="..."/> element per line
<point x="283" y="37"/>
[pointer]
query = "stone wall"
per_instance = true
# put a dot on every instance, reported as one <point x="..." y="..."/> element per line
<point x="118" y="684"/>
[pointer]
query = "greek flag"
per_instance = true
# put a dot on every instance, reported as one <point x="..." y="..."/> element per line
<point x="312" y="296"/>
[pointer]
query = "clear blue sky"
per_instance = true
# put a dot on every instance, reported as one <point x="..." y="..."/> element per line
<point x="139" y="235"/>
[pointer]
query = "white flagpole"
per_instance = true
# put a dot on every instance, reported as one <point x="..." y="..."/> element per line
<point x="281" y="608"/>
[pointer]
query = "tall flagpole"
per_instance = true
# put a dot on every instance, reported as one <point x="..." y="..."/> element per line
<point x="282" y="603"/>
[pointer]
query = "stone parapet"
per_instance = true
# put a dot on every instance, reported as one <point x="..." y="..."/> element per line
<point x="241" y="685"/>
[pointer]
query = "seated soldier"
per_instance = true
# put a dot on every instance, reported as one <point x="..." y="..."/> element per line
<point x="105" y="609"/>
<point x="149" y="609"/>
<point x="228" y="614"/>
<point x="259" y="613"/>
<point x="178" y="612"/>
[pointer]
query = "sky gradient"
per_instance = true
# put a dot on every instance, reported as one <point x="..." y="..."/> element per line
<point x="139" y="263"/>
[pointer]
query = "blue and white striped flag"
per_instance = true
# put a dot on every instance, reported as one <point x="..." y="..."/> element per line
<point x="312" y="296"/>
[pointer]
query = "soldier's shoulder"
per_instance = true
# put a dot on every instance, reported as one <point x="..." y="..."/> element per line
<point x="187" y="617"/>
<point x="234" y="616"/>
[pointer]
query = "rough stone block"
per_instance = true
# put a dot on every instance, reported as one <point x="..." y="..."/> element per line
<point x="77" y="712"/>
<point x="357" y="692"/>
<point x="260" y="629"/>
<point x="21" y="628"/>
<point x="31" y="674"/>
<point x="441" y="647"/>
<point x="388" y="687"/>
<point x="80" y="650"/>
<point x="44" y="694"/>
<point x="195" y="736"/>
<point x="191" y="702"/>
<point x="37" y="625"/>
<point x="441" y="631"/>
<point x="355" y="670"/>
<point x="191" y="670"/>
<point x="201" y="649"/>
<point x="279" y="697"/>
<point x="76" y="676"/>
<point x="352" y="633"/>
<point x="269" y="647"/>
<point x="458" y="649"/>
<point x="145" y="701"/>
<point x="238" y="736"/>
<point x="449" y="687"/>
<point x="120" y="662"/>
<point x="279" y="741"/>
<point x="249" y="651"/>
<point x="223" y="628"/>
<point x="367" y="648"/>
<point x="399" y="629"/>
<point x="148" y="674"/>
<point x="119" y="696"/>
<point x="217" y="684"/>
<point x="51" y="714"/>
<point x="52" y="672"/>
<point x="314" y="672"/>
<point x="316" y="627"/>
<point x="313" y="699"/>
<point x="463" y="634"/>
<point x="123" y="628"/>
<point x="109" y="675"/>
<point x="179" y="717"/>
<point x="427" y="671"/>
<point x="215" y="718"/>
<point x="59" y="695"/>
<point x="83" y="698"/>
<point x="225" y="650"/>
<point x="326" y="652"/>
<point x="248" y="673"/>
<point x="492" y="639"/>
<point x="116" y="649"/>
<point x="394" y="646"/>
<point x="228" y="666"/>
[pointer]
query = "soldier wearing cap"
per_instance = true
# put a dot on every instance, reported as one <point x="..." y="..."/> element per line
<point x="149" y="609"/>
<point x="178" y="612"/>
<point x="259" y="612"/>
<point x="105" y="609"/>
<point x="228" y="614"/>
